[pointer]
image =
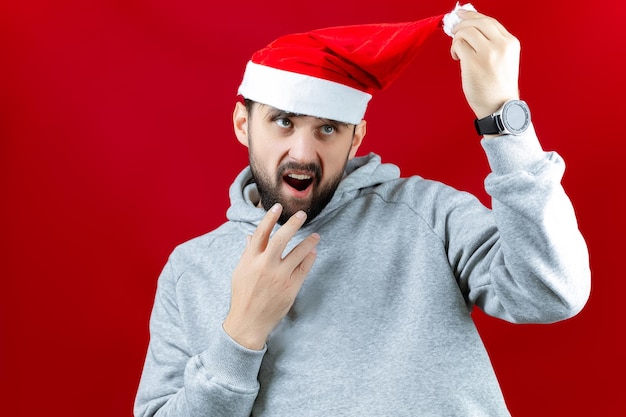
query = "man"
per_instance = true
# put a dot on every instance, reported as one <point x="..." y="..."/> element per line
<point x="337" y="288"/>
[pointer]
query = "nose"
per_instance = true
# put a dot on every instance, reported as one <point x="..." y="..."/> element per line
<point x="302" y="146"/>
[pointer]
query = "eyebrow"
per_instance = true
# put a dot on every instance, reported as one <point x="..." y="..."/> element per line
<point x="280" y="114"/>
<point x="274" y="114"/>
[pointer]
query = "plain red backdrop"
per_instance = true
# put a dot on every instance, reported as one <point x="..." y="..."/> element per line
<point x="116" y="145"/>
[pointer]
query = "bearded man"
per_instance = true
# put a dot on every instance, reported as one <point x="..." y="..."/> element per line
<point x="338" y="288"/>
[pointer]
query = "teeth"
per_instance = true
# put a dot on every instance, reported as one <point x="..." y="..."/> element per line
<point x="299" y="177"/>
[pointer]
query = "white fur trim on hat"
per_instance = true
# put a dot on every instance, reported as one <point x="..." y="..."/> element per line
<point x="303" y="94"/>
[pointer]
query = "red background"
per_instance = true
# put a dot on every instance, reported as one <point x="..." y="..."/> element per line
<point x="116" y="144"/>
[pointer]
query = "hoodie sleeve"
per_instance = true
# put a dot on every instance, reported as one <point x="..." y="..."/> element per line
<point x="220" y="381"/>
<point x="533" y="266"/>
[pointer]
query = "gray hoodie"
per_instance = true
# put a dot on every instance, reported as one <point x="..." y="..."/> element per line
<point x="382" y="325"/>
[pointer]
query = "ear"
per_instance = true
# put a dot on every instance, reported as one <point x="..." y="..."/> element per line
<point x="357" y="139"/>
<point x="240" y="123"/>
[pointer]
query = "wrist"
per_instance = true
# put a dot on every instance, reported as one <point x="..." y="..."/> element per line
<point x="486" y="109"/>
<point x="244" y="335"/>
<point x="512" y="118"/>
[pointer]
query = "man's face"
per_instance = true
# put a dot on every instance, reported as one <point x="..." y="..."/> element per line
<point x="296" y="160"/>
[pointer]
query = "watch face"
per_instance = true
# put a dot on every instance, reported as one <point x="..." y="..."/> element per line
<point x="516" y="116"/>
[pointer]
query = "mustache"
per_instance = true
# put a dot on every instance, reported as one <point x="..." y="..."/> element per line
<point x="294" y="166"/>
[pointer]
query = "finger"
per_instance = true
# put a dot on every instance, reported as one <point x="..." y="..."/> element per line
<point x="468" y="38"/>
<point x="470" y="14"/>
<point x="300" y="252"/>
<point x="453" y="53"/>
<point x="472" y="42"/>
<point x="461" y="50"/>
<point x="278" y="242"/>
<point x="503" y="31"/>
<point x="488" y="26"/>
<point x="478" y="36"/>
<point x="261" y="235"/>
<point x="303" y="269"/>
<point x="458" y="48"/>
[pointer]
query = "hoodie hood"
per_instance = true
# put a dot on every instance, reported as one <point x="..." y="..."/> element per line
<point x="361" y="172"/>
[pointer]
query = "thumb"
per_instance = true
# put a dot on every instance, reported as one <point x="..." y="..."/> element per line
<point x="453" y="53"/>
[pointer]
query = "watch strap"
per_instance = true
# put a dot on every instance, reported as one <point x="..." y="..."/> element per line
<point x="488" y="125"/>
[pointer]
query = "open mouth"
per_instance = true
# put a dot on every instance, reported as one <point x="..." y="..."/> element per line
<point x="299" y="182"/>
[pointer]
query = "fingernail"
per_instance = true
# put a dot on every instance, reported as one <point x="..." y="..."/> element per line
<point x="300" y="214"/>
<point x="316" y="236"/>
<point x="276" y="208"/>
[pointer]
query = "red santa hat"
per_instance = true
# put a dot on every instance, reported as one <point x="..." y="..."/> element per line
<point x="332" y="72"/>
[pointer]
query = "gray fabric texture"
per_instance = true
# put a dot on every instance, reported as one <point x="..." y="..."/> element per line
<point x="382" y="325"/>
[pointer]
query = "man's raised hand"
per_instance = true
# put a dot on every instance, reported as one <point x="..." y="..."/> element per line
<point x="489" y="57"/>
<point x="264" y="284"/>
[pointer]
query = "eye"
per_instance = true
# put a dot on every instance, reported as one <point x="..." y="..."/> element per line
<point x="328" y="129"/>
<point x="283" y="122"/>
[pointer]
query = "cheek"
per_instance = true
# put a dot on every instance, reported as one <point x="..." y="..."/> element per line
<point x="333" y="162"/>
<point x="267" y="169"/>
<point x="267" y="156"/>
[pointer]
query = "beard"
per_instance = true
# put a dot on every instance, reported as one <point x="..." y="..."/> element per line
<point x="270" y="189"/>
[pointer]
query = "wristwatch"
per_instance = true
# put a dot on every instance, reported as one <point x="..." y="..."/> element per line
<point x="513" y="118"/>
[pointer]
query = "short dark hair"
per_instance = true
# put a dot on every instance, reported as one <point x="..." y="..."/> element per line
<point x="248" y="103"/>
